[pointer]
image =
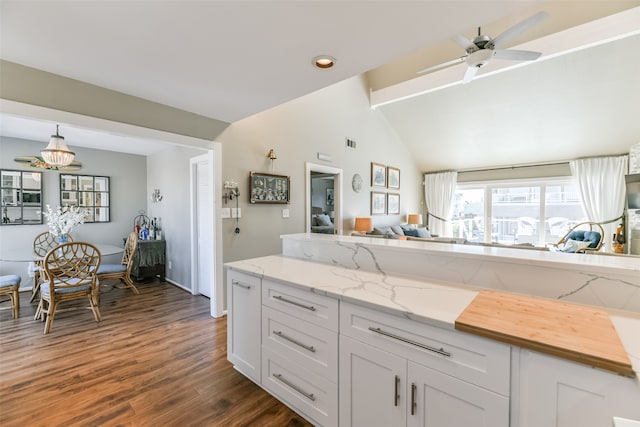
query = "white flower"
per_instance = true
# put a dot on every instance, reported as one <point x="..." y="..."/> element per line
<point x="63" y="220"/>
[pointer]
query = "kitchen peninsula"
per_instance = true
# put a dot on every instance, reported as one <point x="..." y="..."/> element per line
<point x="374" y="322"/>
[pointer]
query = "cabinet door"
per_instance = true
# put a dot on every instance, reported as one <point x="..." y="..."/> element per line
<point x="372" y="384"/>
<point x="243" y="323"/>
<point x="556" y="392"/>
<point x="436" y="399"/>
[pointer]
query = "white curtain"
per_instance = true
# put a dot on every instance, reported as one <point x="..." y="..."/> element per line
<point x="439" y="189"/>
<point x="602" y="190"/>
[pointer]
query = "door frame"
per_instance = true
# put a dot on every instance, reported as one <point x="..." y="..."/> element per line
<point x="214" y="158"/>
<point x="337" y="194"/>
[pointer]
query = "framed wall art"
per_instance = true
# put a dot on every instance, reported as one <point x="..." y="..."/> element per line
<point x="378" y="175"/>
<point x="393" y="178"/>
<point x="378" y="203"/>
<point x="393" y="204"/>
<point x="269" y="188"/>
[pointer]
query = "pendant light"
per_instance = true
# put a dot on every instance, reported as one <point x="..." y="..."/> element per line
<point x="57" y="153"/>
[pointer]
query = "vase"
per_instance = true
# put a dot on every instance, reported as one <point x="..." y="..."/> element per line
<point x="63" y="238"/>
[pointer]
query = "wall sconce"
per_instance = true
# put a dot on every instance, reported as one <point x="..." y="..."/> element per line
<point x="272" y="156"/>
<point x="156" y="196"/>
<point x="231" y="191"/>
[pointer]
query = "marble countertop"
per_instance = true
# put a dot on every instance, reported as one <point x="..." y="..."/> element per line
<point x="428" y="301"/>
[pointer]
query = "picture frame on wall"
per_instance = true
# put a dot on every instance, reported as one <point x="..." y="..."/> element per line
<point x="378" y="175"/>
<point x="269" y="188"/>
<point x="393" y="204"/>
<point x="393" y="178"/>
<point x="378" y="203"/>
<point x="329" y="197"/>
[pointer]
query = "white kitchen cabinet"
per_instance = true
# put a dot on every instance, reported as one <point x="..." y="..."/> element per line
<point x="549" y="391"/>
<point x="372" y="386"/>
<point x="437" y="400"/>
<point x="397" y="372"/>
<point x="243" y="323"/>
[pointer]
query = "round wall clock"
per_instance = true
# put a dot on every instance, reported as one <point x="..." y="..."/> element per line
<point x="356" y="183"/>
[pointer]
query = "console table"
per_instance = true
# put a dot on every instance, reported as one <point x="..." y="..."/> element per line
<point x="149" y="259"/>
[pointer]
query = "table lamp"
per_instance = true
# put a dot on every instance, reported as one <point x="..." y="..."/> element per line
<point x="414" y="219"/>
<point x="363" y="224"/>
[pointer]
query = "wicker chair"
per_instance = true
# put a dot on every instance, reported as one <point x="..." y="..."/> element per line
<point x="70" y="274"/>
<point x="594" y="235"/>
<point x="42" y="244"/>
<point x="122" y="271"/>
<point x="9" y="286"/>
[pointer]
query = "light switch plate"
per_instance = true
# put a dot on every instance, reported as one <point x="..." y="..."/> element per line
<point x="225" y="213"/>
<point x="236" y="212"/>
<point x="285" y="213"/>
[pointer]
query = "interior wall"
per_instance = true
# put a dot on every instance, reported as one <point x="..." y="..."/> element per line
<point x="297" y="131"/>
<point x="169" y="172"/>
<point x="128" y="180"/>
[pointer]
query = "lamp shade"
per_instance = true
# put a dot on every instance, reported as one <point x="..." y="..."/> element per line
<point x="363" y="224"/>
<point x="57" y="153"/>
<point x="414" y="219"/>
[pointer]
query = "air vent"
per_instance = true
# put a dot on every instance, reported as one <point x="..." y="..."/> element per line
<point x="351" y="143"/>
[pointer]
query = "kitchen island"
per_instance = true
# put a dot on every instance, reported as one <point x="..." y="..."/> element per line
<point x="310" y="331"/>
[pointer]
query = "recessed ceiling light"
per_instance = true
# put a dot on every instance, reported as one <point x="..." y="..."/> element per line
<point x="324" y="61"/>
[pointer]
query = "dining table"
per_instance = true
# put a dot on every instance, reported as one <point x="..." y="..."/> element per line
<point x="23" y="252"/>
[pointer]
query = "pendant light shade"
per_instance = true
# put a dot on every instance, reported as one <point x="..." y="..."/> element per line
<point x="57" y="153"/>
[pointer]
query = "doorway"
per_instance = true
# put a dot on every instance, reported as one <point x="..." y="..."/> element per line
<point x="206" y="250"/>
<point x="323" y="196"/>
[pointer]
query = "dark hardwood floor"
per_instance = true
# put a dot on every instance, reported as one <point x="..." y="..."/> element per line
<point x="156" y="359"/>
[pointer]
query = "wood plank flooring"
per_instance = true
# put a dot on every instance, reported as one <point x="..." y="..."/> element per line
<point x="156" y="359"/>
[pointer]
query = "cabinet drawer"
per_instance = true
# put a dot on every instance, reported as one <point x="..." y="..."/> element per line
<point x="307" y="393"/>
<point x="473" y="359"/>
<point x="312" y="347"/>
<point x="317" y="309"/>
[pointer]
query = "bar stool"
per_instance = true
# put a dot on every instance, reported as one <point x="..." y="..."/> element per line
<point x="9" y="286"/>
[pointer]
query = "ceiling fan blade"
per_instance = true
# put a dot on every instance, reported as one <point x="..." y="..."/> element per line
<point x="463" y="41"/>
<point x="470" y="74"/>
<point x="518" y="29"/>
<point x="443" y="65"/>
<point x="516" y="55"/>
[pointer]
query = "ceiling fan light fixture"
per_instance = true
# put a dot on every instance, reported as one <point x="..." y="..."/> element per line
<point x="323" y="61"/>
<point x="57" y="153"/>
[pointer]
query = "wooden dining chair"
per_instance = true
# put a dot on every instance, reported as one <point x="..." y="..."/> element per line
<point x="42" y="244"/>
<point x="122" y="271"/>
<point x="70" y="274"/>
<point x="10" y="286"/>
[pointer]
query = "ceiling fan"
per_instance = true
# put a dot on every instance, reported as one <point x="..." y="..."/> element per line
<point x="480" y="50"/>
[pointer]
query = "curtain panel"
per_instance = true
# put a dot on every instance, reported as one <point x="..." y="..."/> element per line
<point x="602" y="190"/>
<point x="439" y="189"/>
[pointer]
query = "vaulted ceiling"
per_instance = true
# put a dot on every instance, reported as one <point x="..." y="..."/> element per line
<point x="228" y="60"/>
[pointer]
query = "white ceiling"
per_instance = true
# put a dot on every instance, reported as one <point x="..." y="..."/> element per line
<point x="230" y="59"/>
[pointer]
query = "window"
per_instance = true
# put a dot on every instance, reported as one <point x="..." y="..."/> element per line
<point x="86" y="191"/>
<point x="520" y="212"/>
<point x="21" y="197"/>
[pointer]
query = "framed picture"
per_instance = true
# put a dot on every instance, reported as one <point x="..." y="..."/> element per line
<point x="329" y="196"/>
<point x="378" y="203"/>
<point x="393" y="204"/>
<point x="378" y="175"/>
<point x="269" y="188"/>
<point x="393" y="178"/>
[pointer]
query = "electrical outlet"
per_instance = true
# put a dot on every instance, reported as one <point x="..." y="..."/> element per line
<point x="285" y="213"/>
<point x="169" y="265"/>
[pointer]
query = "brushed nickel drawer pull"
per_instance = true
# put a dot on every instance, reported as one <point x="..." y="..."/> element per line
<point x="413" y="398"/>
<point x="283" y="299"/>
<point x="396" y="394"/>
<point x="309" y="396"/>
<point x="242" y="285"/>
<point x="296" y="342"/>
<point x="408" y="341"/>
